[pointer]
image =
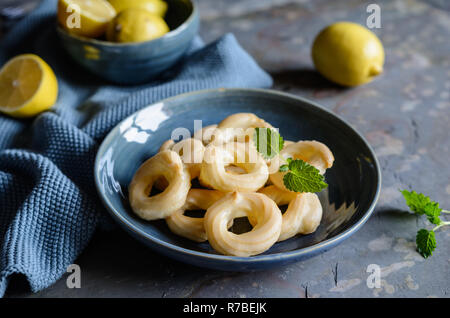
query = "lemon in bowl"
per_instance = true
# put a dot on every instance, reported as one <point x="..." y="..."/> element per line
<point x="348" y="54"/>
<point x="28" y="86"/>
<point x="136" y="62"/>
<point x="136" y="25"/>
<point x="88" y="18"/>
<point x="157" y="7"/>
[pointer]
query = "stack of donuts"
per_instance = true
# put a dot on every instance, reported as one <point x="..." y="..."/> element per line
<point x="236" y="181"/>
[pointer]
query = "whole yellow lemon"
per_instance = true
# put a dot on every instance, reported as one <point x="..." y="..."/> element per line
<point x="136" y="25"/>
<point x="348" y="54"/>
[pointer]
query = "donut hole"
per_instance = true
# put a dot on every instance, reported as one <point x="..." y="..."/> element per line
<point x="148" y="190"/>
<point x="195" y="184"/>
<point x="247" y="167"/>
<point x="160" y="184"/>
<point x="240" y="225"/>
<point x="235" y="169"/>
<point x="283" y="208"/>
<point x="194" y="213"/>
<point x="157" y="187"/>
<point x="151" y="191"/>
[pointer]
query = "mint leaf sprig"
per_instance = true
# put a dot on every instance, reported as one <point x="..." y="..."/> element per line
<point x="300" y="176"/>
<point x="422" y="205"/>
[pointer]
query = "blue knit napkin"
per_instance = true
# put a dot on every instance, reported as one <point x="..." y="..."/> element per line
<point x="49" y="207"/>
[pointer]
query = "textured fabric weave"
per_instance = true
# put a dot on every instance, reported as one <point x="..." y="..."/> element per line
<point x="49" y="207"/>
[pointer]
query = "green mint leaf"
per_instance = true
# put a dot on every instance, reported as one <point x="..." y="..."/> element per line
<point x="415" y="201"/>
<point x="268" y="142"/>
<point x="426" y="242"/>
<point x="433" y="211"/>
<point x="284" y="168"/>
<point x="303" y="177"/>
<point x="421" y="204"/>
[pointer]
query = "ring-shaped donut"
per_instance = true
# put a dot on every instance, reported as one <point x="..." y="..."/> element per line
<point x="255" y="205"/>
<point x="239" y="127"/>
<point x="191" y="153"/>
<point x="190" y="227"/>
<point x="313" y="152"/>
<point x="167" y="164"/>
<point x="243" y="120"/>
<point x="216" y="158"/>
<point x="303" y="214"/>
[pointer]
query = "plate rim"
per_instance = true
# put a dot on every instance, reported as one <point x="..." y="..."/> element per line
<point x="290" y="255"/>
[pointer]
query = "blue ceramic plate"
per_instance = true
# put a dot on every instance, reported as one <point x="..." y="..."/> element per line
<point x="354" y="180"/>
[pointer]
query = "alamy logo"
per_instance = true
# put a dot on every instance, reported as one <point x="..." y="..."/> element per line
<point x="374" y="279"/>
<point x="74" y="279"/>
<point x="374" y="19"/>
<point x="73" y="21"/>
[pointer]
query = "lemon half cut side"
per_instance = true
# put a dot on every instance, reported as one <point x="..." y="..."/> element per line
<point x="28" y="86"/>
<point x="87" y="18"/>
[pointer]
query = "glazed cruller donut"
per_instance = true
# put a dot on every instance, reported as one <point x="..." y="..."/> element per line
<point x="169" y="165"/>
<point x="213" y="172"/>
<point x="259" y="207"/>
<point x="238" y="182"/>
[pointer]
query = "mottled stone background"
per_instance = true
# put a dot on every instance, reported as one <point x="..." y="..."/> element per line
<point x="404" y="114"/>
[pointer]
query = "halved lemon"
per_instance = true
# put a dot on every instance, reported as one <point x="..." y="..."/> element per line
<point x="28" y="86"/>
<point x="87" y="18"/>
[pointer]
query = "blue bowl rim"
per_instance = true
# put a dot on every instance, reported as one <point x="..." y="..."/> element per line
<point x="171" y="34"/>
<point x="281" y="256"/>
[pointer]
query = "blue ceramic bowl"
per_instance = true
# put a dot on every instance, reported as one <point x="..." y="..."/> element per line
<point x="135" y="63"/>
<point x="354" y="180"/>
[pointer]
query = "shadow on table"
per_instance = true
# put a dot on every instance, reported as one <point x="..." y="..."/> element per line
<point x="395" y="213"/>
<point x="305" y="79"/>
